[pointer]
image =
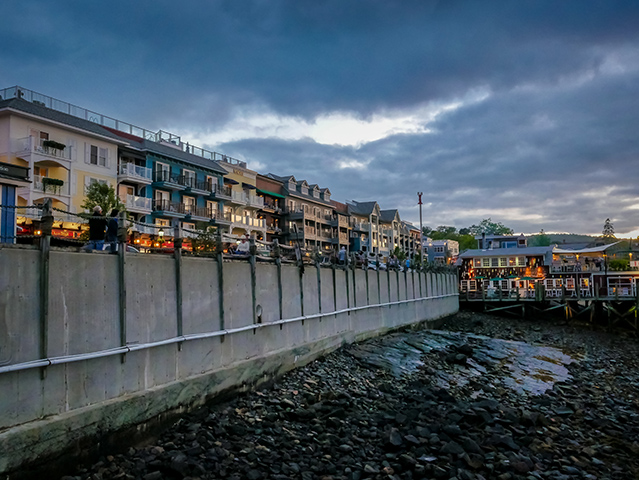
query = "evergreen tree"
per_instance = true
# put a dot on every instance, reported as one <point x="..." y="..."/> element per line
<point x="608" y="229"/>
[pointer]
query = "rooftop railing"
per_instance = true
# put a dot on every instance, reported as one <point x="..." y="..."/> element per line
<point x="109" y="122"/>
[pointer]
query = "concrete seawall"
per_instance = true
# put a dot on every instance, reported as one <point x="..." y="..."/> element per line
<point x="117" y="345"/>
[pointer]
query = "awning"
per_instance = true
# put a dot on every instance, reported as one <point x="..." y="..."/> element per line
<point x="599" y="249"/>
<point x="272" y="194"/>
<point x="248" y="185"/>
<point x="230" y="181"/>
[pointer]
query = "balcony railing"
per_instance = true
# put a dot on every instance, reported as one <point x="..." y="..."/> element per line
<point x="255" y="201"/>
<point x="238" y="197"/>
<point x="136" y="171"/>
<point x="224" y="190"/>
<point x="195" y="211"/>
<point x="31" y="144"/>
<point x="248" y="221"/>
<point x="168" y="206"/>
<point x="143" y="230"/>
<point x="40" y="185"/>
<point x="133" y="201"/>
<point x="168" y="177"/>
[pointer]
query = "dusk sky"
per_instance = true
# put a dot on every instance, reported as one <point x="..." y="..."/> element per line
<point x="523" y="111"/>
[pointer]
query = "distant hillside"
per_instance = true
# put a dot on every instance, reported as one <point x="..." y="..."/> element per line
<point x="560" y="238"/>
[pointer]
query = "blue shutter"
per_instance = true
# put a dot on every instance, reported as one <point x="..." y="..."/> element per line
<point x="7" y="215"/>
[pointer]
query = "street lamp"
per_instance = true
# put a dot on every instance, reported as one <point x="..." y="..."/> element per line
<point x="161" y="233"/>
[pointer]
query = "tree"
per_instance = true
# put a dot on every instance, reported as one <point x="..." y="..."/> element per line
<point x="101" y="194"/>
<point x="426" y="230"/>
<point x="491" y="228"/>
<point x="444" y="233"/>
<point x="464" y="231"/>
<point x="540" y="240"/>
<point x="608" y="230"/>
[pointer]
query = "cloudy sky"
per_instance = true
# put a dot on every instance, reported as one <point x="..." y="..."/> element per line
<point x="523" y="111"/>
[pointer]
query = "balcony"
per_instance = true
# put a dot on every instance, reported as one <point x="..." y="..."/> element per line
<point x="197" y="213"/>
<point x="164" y="179"/>
<point x="200" y="188"/>
<point x="142" y="230"/>
<point x="221" y="192"/>
<point x="40" y="153"/>
<point x="223" y="218"/>
<point x="137" y="204"/>
<point x="135" y="173"/>
<point x="255" y="201"/>
<point x="169" y="209"/>
<point x="309" y="231"/>
<point x="249" y="221"/>
<point x="238" y="197"/>
<point x="40" y="184"/>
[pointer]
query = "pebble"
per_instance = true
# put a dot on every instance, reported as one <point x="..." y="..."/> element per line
<point x="419" y="404"/>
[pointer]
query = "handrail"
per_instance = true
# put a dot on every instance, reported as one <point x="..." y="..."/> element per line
<point x="196" y="336"/>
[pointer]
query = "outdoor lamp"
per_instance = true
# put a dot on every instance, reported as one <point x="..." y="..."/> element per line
<point x="161" y="233"/>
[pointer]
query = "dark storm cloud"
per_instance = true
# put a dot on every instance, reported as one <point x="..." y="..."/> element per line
<point x="555" y="137"/>
<point x="568" y="154"/>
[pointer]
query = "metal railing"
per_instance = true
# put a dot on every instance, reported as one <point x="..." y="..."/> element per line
<point x="133" y="170"/>
<point x="168" y="206"/>
<point x="40" y="185"/>
<point x="31" y="144"/>
<point x="133" y="201"/>
<point x="106" y="121"/>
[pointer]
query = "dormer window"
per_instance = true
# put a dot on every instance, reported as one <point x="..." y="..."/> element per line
<point x="316" y="193"/>
<point x="304" y="190"/>
<point x="291" y="186"/>
<point x="327" y="197"/>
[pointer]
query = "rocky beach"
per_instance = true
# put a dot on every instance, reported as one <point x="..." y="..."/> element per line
<point x="484" y="397"/>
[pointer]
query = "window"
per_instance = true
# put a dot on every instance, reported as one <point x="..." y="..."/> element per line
<point x="98" y="155"/>
<point x="189" y="177"/>
<point x="439" y="249"/>
<point x="162" y="172"/>
<point x="211" y="208"/>
<point x="521" y="261"/>
<point x="291" y="186"/>
<point x="189" y="204"/>
<point x="503" y="262"/>
<point x="327" y="196"/>
<point x="162" y="222"/>
<point x="304" y="190"/>
<point x="511" y="261"/>
<point x="477" y="262"/>
<point x="90" y="181"/>
<point x="485" y="262"/>
<point x="316" y="193"/>
<point x="494" y="262"/>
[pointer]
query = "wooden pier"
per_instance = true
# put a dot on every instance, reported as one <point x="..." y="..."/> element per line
<point x="614" y="311"/>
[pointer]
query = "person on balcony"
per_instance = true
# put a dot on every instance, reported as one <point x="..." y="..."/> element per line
<point x="97" y="226"/>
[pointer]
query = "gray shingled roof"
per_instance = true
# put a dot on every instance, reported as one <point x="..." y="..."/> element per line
<point x="55" y="116"/>
<point x="387" y="216"/>
<point x="362" y="208"/>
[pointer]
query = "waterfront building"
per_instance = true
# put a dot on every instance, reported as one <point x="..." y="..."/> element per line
<point x="62" y="152"/>
<point x="308" y="213"/>
<point x="442" y="252"/>
<point x="244" y="204"/>
<point x="273" y="208"/>
<point x="365" y="231"/>
<point x="341" y="226"/>
<point x="162" y="182"/>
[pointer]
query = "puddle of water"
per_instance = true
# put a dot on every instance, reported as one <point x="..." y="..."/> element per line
<point x="522" y="367"/>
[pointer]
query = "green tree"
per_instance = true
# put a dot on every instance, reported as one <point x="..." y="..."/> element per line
<point x="540" y="240"/>
<point x="101" y="194"/>
<point x="467" y="242"/>
<point x="444" y="232"/>
<point x="491" y="228"/>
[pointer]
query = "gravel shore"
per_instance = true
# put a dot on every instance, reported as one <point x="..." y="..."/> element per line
<point x="483" y="398"/>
